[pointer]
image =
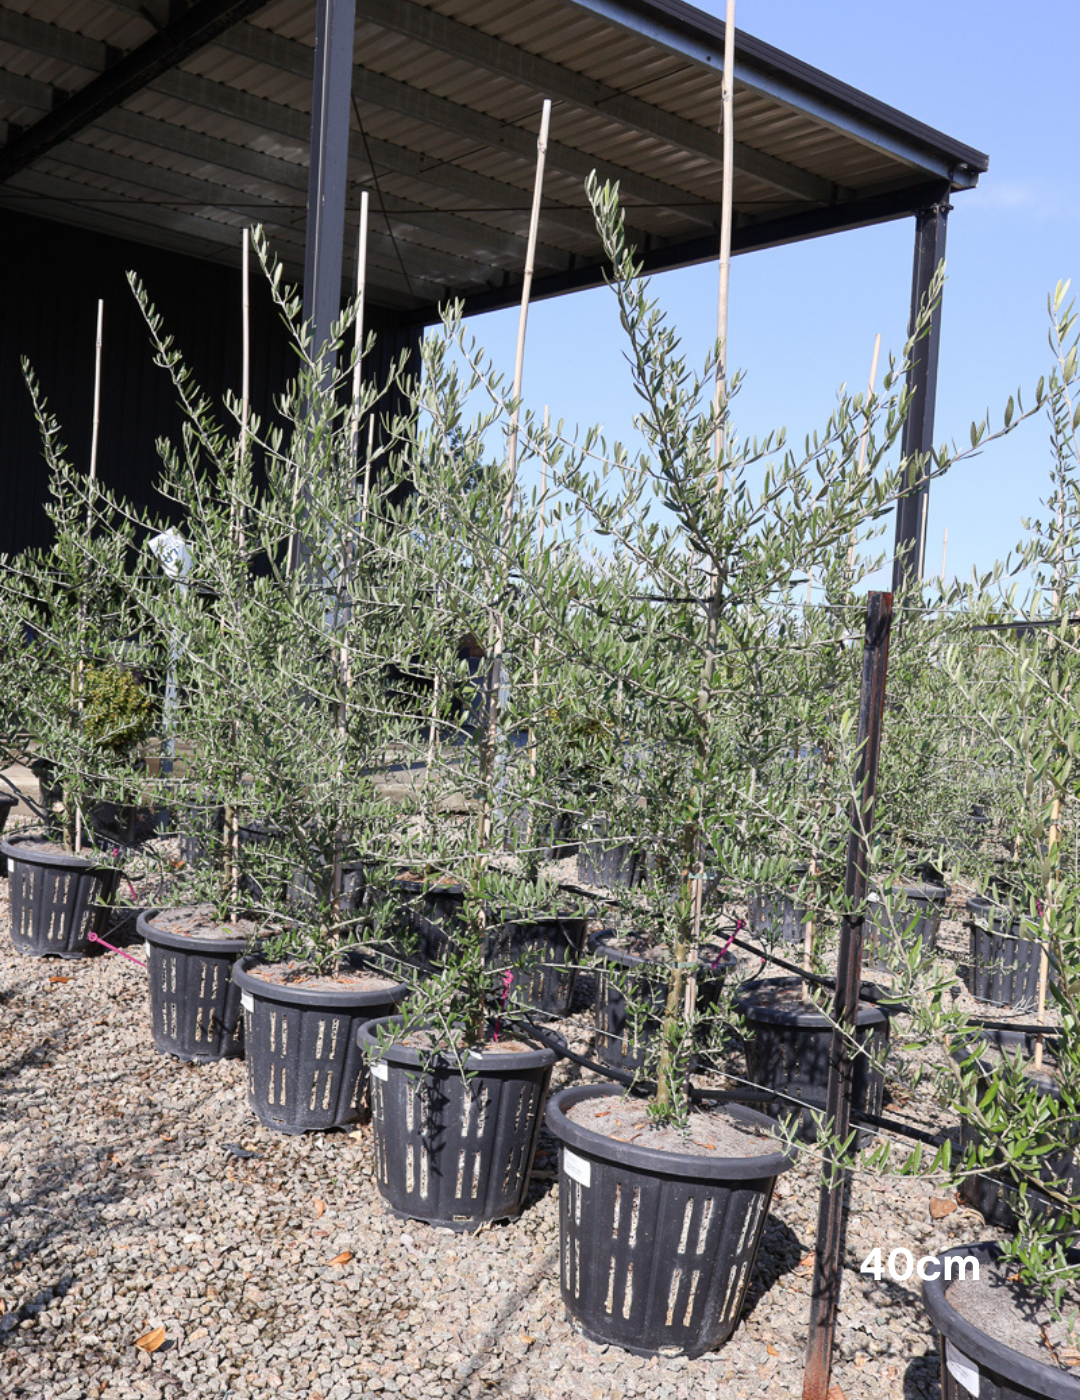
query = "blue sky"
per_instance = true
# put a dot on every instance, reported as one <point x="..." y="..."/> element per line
<point x="804" y="318"/>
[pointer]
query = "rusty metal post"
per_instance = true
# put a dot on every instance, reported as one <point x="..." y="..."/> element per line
<point x="829" y="1245"/>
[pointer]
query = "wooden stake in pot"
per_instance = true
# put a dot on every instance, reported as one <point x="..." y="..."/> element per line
<point x="76" y="679"/>
<point x="495" y="673"/>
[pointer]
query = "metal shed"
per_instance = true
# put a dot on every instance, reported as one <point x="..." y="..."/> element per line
<point x="172" y="126"/>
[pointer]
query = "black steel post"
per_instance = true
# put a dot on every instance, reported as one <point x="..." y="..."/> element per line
<point x="918" y="433"/>
<point x="328" y="175"/>
<point x="829" y="1245"/>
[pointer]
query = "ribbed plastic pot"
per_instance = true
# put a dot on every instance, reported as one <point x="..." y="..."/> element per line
<point x="975" y="1364"/>
<point x="194" y="1002"/>
<point x="7" y="806"/>
<point x="542" y="954"/>
<point x="430" y="916"/>
<point x="1003" y="966"/>
<point x="776" y="915"/>
<point x="916" y="914"/>
<point x="55" y="899"/>
<point x="992" y="1193"/>
<point x="788" y="1050"/>
<point x="623" y="1036"/>
<point x="657" y="1249"/>
<point x="301" y="891"/>
<point x="606" y="863"/>
<point x="453" y="1151"/>
<point x="306" y="1072"/>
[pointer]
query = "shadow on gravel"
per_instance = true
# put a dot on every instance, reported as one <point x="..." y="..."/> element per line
<point x="37" y="1304"/>
<point x="779" y="1254"/>
<point x="922" y="1378"/>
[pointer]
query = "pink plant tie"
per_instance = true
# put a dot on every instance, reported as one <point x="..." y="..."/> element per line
<point x="93" y="938"/>
<point x="739" y="926"/>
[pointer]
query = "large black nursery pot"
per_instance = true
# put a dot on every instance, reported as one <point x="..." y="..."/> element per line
<point x="428" y="916"/>
<point x="450" y="1150"/>
<point x="787" y="1049"/>
<point x="994" y="1193"/>
<point x="623" y="1033"/>
<point x="1004" y="958"/>
<point x="8" y="803"/>
<point x="657" y="1249"/>
<point x="56" y="898"/>
<point x="608" y="863"/>
<point x="194" y="1002"/>
<point x="541" y="954"/>
<point x="915" y="915"/>
<point x="974" y="1364"/>
<point x="306" y="1071"/>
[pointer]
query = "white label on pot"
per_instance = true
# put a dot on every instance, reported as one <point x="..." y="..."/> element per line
<point x="577" y="1167"/>
<point x="146" y="946"/>
<point x="380" y="1069"/>
<point x="247" y="1001"/>
<point x="962" y="1369"/>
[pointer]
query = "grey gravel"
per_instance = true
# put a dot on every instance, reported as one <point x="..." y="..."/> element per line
<point x="125" y="1207"/>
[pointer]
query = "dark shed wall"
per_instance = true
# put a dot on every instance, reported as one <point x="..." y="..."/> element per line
<point x="53" y="277"/>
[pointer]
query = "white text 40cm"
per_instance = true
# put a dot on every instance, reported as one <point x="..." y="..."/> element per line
<point x="902" y="1264"/>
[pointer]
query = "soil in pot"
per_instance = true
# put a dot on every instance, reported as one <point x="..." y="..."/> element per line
<point x="631" y="990"/>
<point x="997" y="1339"/>
<point x="306" y="1071"/>
<point x="659" y="1232"/>
<point x="542" y="954"/>
<point x="787" y="1049"/>
<point x="57" y="899"/>
<point x="994" y="1193"/>
<point x="914" y="916"/>
<point x="194" y="1002"/>
<point x="450" y="1150"/>
<point x="1004" y="958"/>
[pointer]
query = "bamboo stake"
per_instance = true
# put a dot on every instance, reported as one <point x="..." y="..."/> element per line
<point x="720" y="392"/>
<point x="944" y="554"/>
<point x="864" y="440"/>
<point x="540" y="549"/>
<point x="495" y="677"/>
<point x="76" y="680"/>
<point x="808" y="931"/>
<point x="358" y="339"/>
<point x="245" y="378"/>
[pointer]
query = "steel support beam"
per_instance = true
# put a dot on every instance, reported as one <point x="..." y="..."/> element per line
<point x="328" y="169"/>
<point x="193" y="30"/>
<point x="918" y="433"/>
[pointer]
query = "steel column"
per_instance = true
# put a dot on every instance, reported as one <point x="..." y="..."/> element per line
<point x="831" y="1227"/>
<point x="918" y="433"/>
<point x="328" y="175"/>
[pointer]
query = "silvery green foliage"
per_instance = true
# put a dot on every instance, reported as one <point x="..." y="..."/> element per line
<point x="67" y="618"/>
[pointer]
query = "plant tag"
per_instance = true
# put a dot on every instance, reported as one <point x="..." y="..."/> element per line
<point x="380" y="1069"/>
<point x="962" y="1369"/>
<point x="146" y="949"/>
<point x="580" y="1168"/>
<point x="247" y="1001"/>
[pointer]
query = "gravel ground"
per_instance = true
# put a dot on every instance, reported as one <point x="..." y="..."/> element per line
<point x="139" y="1193"/>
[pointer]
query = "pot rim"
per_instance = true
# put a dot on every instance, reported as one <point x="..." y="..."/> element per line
<point x="869" y="1013"/>
<point x="1037" y="1376"/>
<point x="163" y="938"/>
<point x="490" y="1062"/>
<point x="14" y="848"/>
<point x="293" y="995"/>
<point x="687" y="1165"/>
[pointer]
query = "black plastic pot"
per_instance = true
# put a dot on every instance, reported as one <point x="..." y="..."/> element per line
<point x="451" y="1151"/>
<point x="788" y="1050"/>
<point x="973" y="1363"/>
<point x="542" y="955"/>
<point x="301" y="891"/>
<point x="915" y="914"/>
<point x="622" y="1040"/>
<point x="774" y="915"/>
<point x="993" y="1193"/>
<point x="430" y="916"/>
<point x="194" y="1002"/>
<point x="605" y="863"/>
<point x="657" y="1249"/>
<point x="1004" y="963"/>
<point x="306" y="1071"/>
<point x="56" y="900"/>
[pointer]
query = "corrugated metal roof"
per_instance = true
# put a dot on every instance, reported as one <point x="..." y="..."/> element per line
<point x="447" y="100"/>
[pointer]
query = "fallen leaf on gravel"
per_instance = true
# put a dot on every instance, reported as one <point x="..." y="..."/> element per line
<point x="1069" y="1356"/>
<point x="152" y="1340"/>
<point x="835" y="1393"/>
<point x="940" y="1206"/>
<point x="320" y="1207"/>
<point x="59" y="979"/>
<point x="358" y="1136"/>
<point x="771" y="1349"/>
<point x="321" y="1234"/>
<point x="807" y="1261"/>
<point x="339" y="1259"/>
